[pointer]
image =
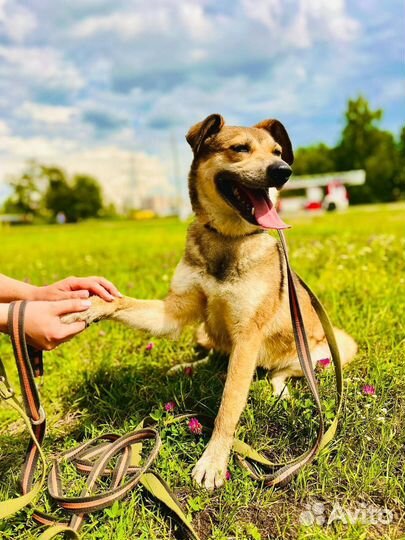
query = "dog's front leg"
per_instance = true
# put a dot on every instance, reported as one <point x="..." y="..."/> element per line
<point x="159" y="317"/>
<point x="210" y="470"/>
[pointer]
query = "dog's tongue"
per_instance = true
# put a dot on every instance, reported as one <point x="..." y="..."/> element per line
<point x="265" y="213"/>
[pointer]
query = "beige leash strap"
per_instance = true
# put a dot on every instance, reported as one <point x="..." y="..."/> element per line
<point x="246" y="453"/>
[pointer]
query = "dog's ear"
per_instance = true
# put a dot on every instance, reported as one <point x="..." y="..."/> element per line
<point x="280" y="135"/>
<point x="201" y="131"/>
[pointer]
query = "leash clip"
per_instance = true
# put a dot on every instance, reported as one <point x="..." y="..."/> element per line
<point x="6" y="392"/>
<point x="41" y="418"/>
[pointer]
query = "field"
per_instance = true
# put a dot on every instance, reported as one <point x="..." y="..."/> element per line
<point x="106" y="380"/>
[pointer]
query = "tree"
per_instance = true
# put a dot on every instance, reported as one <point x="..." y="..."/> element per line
<point x="88" y="200"/>
<point x="59" y="197"/>
<point x="364" y="146"/>
<point x="315" y="159"/>
<point x="359" y="136"/>
<point x="42" y="188"/>
<point x="26" y="196"/>
<point x="399" y="182"/>
<point x="382" y="169"/>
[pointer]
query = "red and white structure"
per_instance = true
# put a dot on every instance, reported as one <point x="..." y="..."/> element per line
<point x="321" y="191"/>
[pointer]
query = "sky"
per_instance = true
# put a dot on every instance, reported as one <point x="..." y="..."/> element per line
<point x="111" y="88"/>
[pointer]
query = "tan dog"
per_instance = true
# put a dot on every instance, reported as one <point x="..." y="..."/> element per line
<point x="232" y="278"/>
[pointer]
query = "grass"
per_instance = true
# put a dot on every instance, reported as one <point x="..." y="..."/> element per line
<point x="106" y="380"/>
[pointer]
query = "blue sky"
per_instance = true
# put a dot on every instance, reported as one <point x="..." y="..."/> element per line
<point x="106" y="87"/>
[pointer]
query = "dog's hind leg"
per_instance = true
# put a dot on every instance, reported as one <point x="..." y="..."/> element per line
<point x="279" y="384"/>
<point x="347" y="349"/>
<point x="346" y="345"/>
<point x="203" y="348"/>
<point x="184" y="366"/>
<point x="203" y="339"/>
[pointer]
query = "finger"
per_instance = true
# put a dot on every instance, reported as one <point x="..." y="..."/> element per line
<point x="91" y="284"/>
<point x="111" y="288"/>
<point x="100" y="291"/>
<point x="52" y="293"/>
<point x="62" y="307"/>
<point x="71" y="330"/>
<point x="78" y="294"/>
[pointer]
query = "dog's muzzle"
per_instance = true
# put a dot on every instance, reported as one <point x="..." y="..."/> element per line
<point x="277" y="174"/>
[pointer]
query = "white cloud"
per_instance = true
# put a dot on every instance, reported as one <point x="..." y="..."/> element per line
<point x="4" y="129"/>
<point x="16" y="21"/>
<point x="47" y="114"/>
<point x="264" y="12"/>
<point x="193" y="18"/>
<point x="126" y="25"/>
<point x="307" y="21"/>
<point x="42" y="66"/>
<point x="126" y="177"/>
<point x="147" y="18"/>
<point x="22" y="148"/>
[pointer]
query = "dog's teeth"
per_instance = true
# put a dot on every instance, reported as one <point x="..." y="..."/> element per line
<point x="253" y="211"/>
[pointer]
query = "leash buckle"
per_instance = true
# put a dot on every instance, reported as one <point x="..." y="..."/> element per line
<point x="41" y="419"/>
<point x="6" y="392"/>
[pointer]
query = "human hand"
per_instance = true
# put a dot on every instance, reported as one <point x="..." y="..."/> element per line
<point x="74" y="287"/>
<point x="43" y="326"/>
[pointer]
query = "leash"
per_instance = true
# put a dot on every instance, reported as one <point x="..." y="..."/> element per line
<point x="93" y="457"/>
<point x="285" y="471"/>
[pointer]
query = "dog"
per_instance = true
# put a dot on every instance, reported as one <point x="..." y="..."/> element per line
<point x="232" y="277"/>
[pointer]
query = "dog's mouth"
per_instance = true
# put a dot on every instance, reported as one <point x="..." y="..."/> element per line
<point x="252" y="204"/>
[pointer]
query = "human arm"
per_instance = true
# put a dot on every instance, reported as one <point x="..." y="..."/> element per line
<point x="71" y="287"/>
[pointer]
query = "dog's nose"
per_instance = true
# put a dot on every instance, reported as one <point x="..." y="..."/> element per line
<point x="278" y="174"/>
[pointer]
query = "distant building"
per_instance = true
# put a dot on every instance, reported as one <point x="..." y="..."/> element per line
<point x="15" y="218"/>
<point x="161" y="205"/>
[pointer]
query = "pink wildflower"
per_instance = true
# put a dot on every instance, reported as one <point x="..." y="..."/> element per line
<point x="369" y="390"/>
<point x="150" y="346"/>
<point x="194" y="426"/>
<point x="228" y="476"/>
<point x="324" y="363"/>
<point x="170" y="406"/>
<point x="188" y="371"/>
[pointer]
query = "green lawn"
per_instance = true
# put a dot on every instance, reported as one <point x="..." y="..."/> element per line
<point x="106" y="380"/>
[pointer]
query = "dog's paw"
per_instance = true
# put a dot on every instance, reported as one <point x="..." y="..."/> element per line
<point x="280" y="388"/>
<point x="98" y="310"/>
<point x="210" y="470"/>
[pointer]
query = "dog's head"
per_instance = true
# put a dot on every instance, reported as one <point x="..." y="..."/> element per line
<point x="232" y="171"/>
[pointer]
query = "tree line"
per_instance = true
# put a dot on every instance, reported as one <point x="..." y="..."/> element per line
<point x="46" y="192"/>
<point x="362" y="145"/>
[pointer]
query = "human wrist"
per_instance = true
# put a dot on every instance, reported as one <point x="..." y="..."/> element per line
<point x="32" y="293"/>
<point x="4" y="318"/>
<point x="13" y="289"/>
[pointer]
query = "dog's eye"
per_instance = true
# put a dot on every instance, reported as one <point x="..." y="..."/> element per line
<point x="277" y="152"/>
<point x="240" y="148"/>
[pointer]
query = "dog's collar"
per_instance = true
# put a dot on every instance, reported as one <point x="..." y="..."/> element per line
<point x="213" y="229"/>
